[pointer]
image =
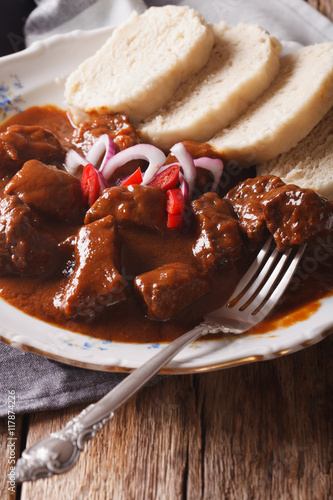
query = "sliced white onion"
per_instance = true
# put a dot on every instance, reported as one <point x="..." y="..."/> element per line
<point x="147" y="152"/>
<point x="184" y="187"/>
<point x="103" y="146"/>
<point x="103" y="183"/>
<point x="214" y="165"/>
<point x="73" y="161"/>
<point x="187" y="164"/>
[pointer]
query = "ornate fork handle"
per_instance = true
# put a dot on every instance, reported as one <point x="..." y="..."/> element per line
<point x="59" y="452"/>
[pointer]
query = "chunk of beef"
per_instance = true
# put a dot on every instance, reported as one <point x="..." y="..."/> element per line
<point x="295" y="216"/>
<point x="96" y="282"/>
<point x="9" y="160"/>
<point x="117" y="126"/>
<point x="246" y="198"/>
<point x="219" y="233"/>
<point x="20" y="143"/>
<point x="23" y="248"/>
<point x="168" y="289"/>
<point x="48" y="190"/>
<point x="142" y="205"/>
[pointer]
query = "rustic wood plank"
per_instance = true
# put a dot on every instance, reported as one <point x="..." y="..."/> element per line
<point x="324" y="6"/>
<point x="9" y="453"/>
<point x="141" y="453"/>
<point x="265" y="428"/>
<point x="268" y="429"/>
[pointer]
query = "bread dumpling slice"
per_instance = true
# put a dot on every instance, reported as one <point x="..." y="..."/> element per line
<point x="141" y="65"/>
<point x="294" y="104"/>
<point x="242" y="64"/>
<point x="310" y="163"/>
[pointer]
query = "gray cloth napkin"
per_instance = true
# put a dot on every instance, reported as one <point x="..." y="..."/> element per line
<point x="286" y="19"/>
<point x="42" y="384"/>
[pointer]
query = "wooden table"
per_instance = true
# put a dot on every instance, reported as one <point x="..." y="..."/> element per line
<point x="259" y="431"/>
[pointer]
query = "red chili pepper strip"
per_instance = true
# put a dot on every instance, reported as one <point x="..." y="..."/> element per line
<point x="90" y="184"/>
<point x="175" y="206"/>
<point x="167" y="179"/>
<point x="174" y="220"/>
<point x="135" y="178"/>
<point x="175" y="201"/>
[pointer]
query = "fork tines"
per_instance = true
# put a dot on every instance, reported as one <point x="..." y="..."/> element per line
<point x="266" y="280"/>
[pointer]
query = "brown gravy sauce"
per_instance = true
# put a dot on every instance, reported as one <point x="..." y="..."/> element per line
<point x="126" y="322"/>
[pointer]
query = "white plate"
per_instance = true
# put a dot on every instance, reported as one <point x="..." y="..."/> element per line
<point x="36" y="77"/>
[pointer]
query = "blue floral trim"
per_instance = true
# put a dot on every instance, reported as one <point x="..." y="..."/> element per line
<point x="104" y="345"/>
<point x="154" y="346"/>
<point x="10" y="99"/>
<point x="101" y="345"/>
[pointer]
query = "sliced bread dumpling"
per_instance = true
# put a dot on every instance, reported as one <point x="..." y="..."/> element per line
<point x="242" y="64"/>
<point x="141" y="65"/>
<point x="299" y="97"/>
<point x="310" y="163"/>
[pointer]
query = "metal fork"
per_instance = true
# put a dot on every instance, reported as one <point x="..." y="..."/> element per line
<point x="255" y="296"/>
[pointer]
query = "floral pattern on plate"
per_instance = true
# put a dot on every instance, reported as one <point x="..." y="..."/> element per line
<point x="10" y="98"/>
